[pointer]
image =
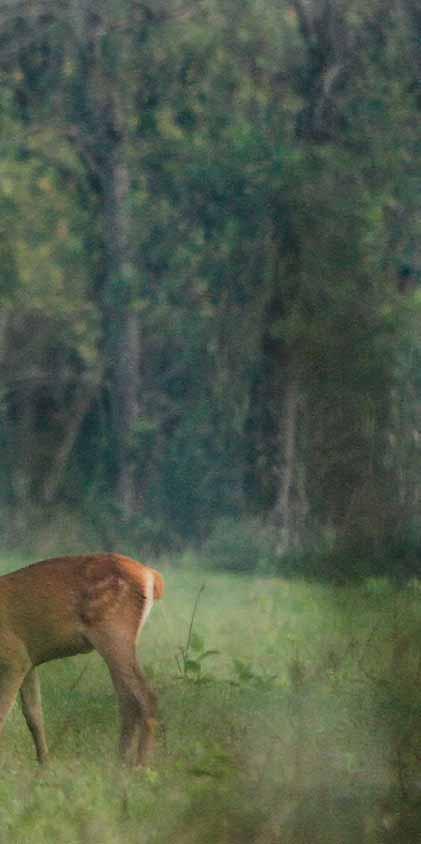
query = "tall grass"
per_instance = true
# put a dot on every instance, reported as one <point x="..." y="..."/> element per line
<point x="290" y="714"/>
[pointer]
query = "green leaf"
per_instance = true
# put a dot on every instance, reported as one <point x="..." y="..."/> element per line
<point x="196" y="642"/>
<point x="205" y="654"/>
<point x="243" y="670"/>
<point x="192" y="665"/>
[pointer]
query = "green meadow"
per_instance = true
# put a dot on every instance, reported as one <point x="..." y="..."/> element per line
<point x="290" y="713"/>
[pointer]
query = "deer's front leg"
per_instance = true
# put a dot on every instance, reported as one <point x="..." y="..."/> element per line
<point x="32" y="709"/>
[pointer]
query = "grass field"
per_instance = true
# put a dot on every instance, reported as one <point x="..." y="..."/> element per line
<point x="301" y="726"/>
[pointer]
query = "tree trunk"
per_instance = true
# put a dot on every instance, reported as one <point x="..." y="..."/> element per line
<point x="126" y="411"/>
<point x="291" y="502"/>
<point x="122" y="326"/>
<point x="75" y="418"/>
<point x="22" y="464"/>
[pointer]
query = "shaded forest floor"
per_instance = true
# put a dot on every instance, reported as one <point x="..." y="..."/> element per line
<point x="291" y="715"/>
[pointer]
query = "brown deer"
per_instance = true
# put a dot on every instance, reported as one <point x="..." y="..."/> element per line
<point x="72" y="605"/>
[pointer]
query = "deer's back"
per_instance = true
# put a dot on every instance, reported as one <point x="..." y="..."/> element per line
<point x="51" y="604"/>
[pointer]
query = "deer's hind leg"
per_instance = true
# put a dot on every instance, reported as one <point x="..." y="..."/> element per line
<point x="137" y="713"/>
<point x="30" y="693"/>
<point x="135" y="699"/>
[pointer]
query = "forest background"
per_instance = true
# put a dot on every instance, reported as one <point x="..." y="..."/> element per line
<point x="210" y="324"/>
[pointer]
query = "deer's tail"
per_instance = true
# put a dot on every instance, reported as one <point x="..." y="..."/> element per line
<point x="158" y="585"/>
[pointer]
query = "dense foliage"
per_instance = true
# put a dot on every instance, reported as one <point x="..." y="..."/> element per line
<point x="209" y="240"/>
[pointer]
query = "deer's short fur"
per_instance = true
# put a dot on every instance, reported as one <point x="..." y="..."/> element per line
<point x="72" y="605"/>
